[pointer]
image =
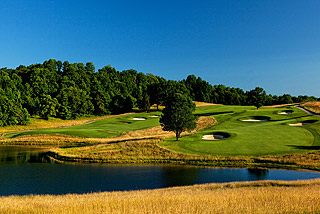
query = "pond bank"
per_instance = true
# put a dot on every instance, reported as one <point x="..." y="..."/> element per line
<point x="309" y="161"/>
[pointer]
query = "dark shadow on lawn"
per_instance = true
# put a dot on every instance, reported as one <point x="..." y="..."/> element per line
<point x="213" y="113"/>
<point x="290" y="118"/>
<point x="305" y="147"/>
<point x="133" y="139"/>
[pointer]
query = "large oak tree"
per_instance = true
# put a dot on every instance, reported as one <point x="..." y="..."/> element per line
<point x="177" y="116"/>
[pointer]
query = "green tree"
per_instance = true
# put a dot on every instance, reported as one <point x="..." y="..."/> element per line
<point x="48" y="106"/>
<point x="11" y="110"/>
<point x="257" y="97"/>
<point x="74" y="102"/>
<point x="285" y="99"/>
<point x="177" y="116"/>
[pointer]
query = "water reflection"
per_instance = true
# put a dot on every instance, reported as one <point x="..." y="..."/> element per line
<point x="20" y="176"/>
<point x="179" y="176"/>
<point x="21" y="155"/>
<point x="258" y="174"/>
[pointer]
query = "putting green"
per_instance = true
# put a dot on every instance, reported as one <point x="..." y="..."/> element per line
<point x="254" y="138"/>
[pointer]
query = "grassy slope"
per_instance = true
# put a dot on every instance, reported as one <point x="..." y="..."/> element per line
<point x="102" y="128"/>
<point x="274" y="137"/>
<point x="251" y="138"/>
<point x="245" y="197"/>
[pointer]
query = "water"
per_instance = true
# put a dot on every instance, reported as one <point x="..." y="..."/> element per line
<point x="28" y="171"/>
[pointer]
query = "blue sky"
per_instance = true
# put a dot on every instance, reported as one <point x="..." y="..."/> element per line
<point x="274" y="44"/>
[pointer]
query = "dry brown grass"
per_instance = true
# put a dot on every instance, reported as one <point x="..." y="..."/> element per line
<point x="140" y="144"/>
<point x="312" y="106"/>
<point x="203" y="104"/>
<point x="310" y="160"/>
<point x="246" y="197"/>
<point x="149" y="151"/>
<point x="281" y="105"/>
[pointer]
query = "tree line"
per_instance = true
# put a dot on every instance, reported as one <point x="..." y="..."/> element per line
<point x="71" y="90"/>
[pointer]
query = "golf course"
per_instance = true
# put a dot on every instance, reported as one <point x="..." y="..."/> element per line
<point x="226" y="136"/>
<point x="271" y="135"/>
<point x="245" y="137"/>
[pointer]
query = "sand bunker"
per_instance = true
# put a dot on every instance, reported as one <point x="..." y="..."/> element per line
<point x="254" y="120"/>
<point x="257" y="119"/>
<point x="213" y="137"/>
<point x="286" y="112"/>
<point x="308" y="122"/>
<point x="138" y="118"/>
<point x="153" y="116"/>
<point x="216" y="136"/>
<point x="296" y="124"/>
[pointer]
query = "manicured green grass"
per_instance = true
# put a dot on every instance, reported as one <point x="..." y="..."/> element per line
<point x="271" y="137"/>
<point x="102" y="128"/>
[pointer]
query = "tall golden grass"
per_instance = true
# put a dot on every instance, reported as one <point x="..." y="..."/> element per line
<point x="280" y="105"/>
<point x="203" y="104"/>
<point x="312" y="106"/>
<point x="246" y="197"/>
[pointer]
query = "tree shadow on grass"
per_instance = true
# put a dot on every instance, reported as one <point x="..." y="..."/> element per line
<point x="305" y="147"/>
<point x="213" y="113"/>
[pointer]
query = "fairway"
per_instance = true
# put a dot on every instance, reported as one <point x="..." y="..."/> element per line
<point x="246" y="131"/>
<point x="104" y="128"/>
<point x="251" y="138"/>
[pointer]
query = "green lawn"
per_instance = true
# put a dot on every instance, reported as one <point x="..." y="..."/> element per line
<point x="251" y="138"/>
<point x="271" y="137"/>
<point x="102" y="128"/>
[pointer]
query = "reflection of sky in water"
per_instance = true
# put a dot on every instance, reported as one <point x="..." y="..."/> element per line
<point x="29" y="177"/>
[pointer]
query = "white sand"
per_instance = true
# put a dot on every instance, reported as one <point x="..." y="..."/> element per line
<point x="295" y="124"/>
<point x="138" y="118"/>
<point x="213" y="137"/>
<point x="285" y="112"/>
<point x="254" y="120"/>
<point x="153" y="116"/>
<point x="299" y="124"/>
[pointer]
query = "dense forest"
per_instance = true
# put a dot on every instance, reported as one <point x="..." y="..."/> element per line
<point x="70" y="90"/>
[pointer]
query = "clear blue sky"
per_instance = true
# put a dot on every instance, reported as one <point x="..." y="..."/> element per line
<point x="274" y="44"/>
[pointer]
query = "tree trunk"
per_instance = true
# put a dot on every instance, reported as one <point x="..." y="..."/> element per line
<point x="177" y="136"/>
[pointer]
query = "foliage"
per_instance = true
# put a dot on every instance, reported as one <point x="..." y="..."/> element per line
<point x="257" y="97"/>
<point x="48" y="106"/>
<point x="11" y="110"/>
<point x="77" y="89"/>
<point x="177" y="115"/>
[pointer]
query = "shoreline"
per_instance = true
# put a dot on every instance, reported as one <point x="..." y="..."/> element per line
<point x="218" y="162"/>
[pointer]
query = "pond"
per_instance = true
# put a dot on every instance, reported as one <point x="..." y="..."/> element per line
<point x="28" y="171"/>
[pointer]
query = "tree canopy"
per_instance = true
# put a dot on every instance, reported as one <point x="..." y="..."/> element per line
<point x="177" y="116"/>
<point x="71" y="90"/>
<point x="257" y="97"/>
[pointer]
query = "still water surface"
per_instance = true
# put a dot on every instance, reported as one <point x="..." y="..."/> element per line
<point x="28" y="171"/>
